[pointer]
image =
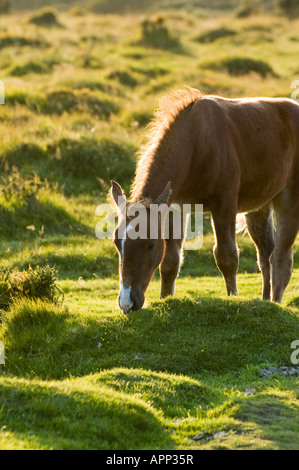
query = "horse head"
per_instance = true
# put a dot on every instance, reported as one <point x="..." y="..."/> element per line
<point x="140" y="245"/>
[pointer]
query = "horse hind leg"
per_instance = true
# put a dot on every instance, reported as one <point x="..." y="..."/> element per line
<point x="286" y="207"/>
<point x="261" y="231"/>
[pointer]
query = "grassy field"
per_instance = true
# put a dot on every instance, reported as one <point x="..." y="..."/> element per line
<point x="183" y="373"/>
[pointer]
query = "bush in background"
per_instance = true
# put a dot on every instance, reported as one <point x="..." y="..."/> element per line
<point x="5" y="6"/>
<point x="20" y="189"/>
<point x="241" y="66"/>
<point x="120" y="6"/>
<point x="213" y="35"/>
<point x="46" y="17"/>
<point x="289" y="7"/>
<point x="155" y="33"/>
<point x="248" y="8"/>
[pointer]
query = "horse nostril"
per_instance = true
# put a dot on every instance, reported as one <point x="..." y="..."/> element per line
<point x="129" y="300"/>
<point x="126" y="307"/>
<point x="124" y="299"/>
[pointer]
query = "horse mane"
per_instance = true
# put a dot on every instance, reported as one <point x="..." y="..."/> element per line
<point x="170" y="108"/>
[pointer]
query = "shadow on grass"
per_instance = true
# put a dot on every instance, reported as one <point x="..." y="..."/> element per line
<point x="78" y="418"/>
<point x="73" y="255"/>
<point x="273" y="415"/>
<point x="75" y="265"/>
<point x="76" y="165"/>
<point x="36" y="214"/>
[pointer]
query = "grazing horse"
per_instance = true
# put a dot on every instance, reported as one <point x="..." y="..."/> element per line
<point x="233" y="156"/>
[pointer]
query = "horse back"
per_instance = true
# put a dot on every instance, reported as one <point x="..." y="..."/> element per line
<point x="260" y="140"/>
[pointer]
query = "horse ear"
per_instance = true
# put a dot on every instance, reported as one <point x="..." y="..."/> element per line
<point x="165" y="195"/>
<point x="117" y="193"/>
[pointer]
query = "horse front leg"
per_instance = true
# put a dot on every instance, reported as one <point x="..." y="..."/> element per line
<point x="170" y="267"/>
<point x="225" y="249"/>
<point x="172" y="260"/>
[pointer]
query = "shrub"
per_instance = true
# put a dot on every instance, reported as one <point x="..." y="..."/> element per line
<point x="5" y="6"/>
<point x="22" y="189"/>
<point x="214" y="34"/>
<point x="20" y="41"/>
<point x="248" y="8"/>
<point x="289" y="7"/>
<point x="60" y="101"/>
<point x="77" y="11"/>
<point x="123" y="77"/>
<point x="46" y="17"/>
<point x="30" y="67"/>
<point x="105" y="159"/>
<point x="119" y="6"/>
<point x="154" y="33"/>
<point x="22" y="154"/>
<point x="242" y="66"/>
<point x="37" y="283"/>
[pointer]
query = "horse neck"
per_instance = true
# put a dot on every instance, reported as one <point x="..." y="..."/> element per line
<point x="152" y="185"/>
<point x="160" y="165"/>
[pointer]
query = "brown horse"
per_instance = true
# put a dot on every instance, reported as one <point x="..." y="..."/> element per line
<point x="233" y="156"/>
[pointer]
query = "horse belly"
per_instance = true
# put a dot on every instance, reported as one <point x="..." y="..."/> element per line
<point x="262" y="181"/>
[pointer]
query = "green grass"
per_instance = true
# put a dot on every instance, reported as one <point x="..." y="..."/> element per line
<point x="79" y="374"/>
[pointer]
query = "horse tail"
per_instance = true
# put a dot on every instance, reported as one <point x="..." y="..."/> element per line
<point x="241" y="225"/>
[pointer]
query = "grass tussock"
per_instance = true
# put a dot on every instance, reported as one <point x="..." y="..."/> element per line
<point x="155" y="33"/>
<point x="78" y="403"/>
<point x="9" y="40"/>
<point x="46" y="17"/>
<point x="236" y="66"/>
<point x="26" y="68"/>
<point x="107" y="159"/>
<point x="37" y="283"/>
<point x="19" y="189"/>
<point x="213" y="35"/>
<point x="118" y="6"/>
<point x="5" y="7"/>
<point x="248" y="8"/>
<point x="59" y="101"/>
<point x="124" y="77"/>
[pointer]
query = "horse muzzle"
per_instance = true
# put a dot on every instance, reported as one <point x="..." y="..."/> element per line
<point x="130" y="299"/>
